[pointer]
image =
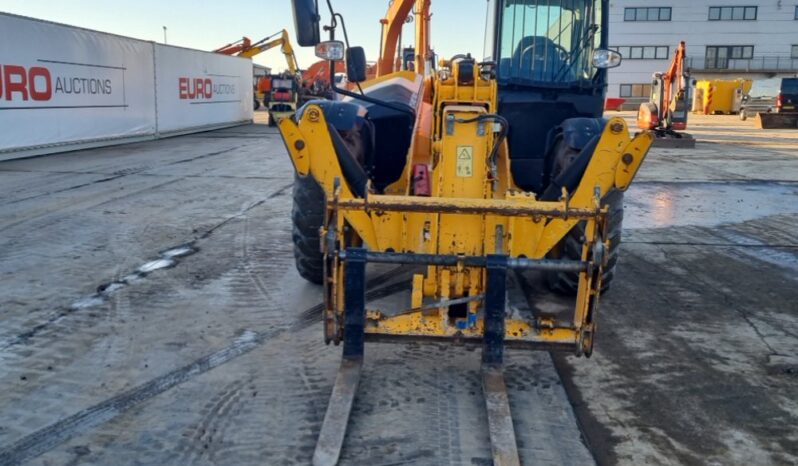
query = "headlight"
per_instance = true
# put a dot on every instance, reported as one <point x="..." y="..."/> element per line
<point x="603" y="58"/>
<point x="330" y="50"/>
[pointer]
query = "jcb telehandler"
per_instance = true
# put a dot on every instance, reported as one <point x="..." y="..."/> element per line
<point x="469" y="171"/>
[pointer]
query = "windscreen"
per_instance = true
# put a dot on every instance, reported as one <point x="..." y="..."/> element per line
<point x="549" y="41"/>
<point x="789" y="86"/>
<point x="282" y="83"/>
<point x="765" y="87"/>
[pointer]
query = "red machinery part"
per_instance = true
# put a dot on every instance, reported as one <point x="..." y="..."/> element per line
<point x="281" y="96"/>
<point x="613" y="103"/>
<point x="421" y="184"/>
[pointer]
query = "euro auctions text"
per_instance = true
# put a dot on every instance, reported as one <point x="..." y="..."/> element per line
<point x="203" y="88"/>
<point x="38" y="83"/>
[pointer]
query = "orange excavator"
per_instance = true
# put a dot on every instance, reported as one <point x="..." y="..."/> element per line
<point x="316" y="79"/>
<point x="666" y="111"/>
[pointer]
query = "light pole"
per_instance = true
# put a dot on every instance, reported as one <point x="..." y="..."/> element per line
<point x="164" y="34"/>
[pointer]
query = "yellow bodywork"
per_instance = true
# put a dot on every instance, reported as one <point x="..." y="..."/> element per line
<point x="474" y="210"/>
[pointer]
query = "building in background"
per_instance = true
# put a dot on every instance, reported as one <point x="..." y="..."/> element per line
<point x="726" y="39"/>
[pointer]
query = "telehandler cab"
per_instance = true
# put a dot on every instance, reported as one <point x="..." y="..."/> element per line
<point x="469" y="171"/>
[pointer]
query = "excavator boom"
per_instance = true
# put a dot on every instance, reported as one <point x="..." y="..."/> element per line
<point x="234" y="48"/>
<point x="281" y="102"/>
<point x="245" y="48"/>
<point x="674" y="75"/>
<point x="392" y="23"/>
<point x="267" y="44"/>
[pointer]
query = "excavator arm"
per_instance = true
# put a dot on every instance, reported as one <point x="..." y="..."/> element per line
<point x="392" y="24"/>
<point x="675" y="73"/>
<point x="235" y="47"/>
<point x="267" y="44"/>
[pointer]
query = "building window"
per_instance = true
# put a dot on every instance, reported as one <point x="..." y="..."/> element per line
<point x="732" y="13"/>
<point x="794" y="52"/>
<point x="647" y="14"/>
<point x="718" y="56"/>
<point x="643" y="52"/>
<point x="796" y="11"/>
<point x="635" y="90"/>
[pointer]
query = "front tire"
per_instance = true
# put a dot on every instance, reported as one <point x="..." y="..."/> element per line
<point x="307" y="217"/>
<point x="570" y="247"/>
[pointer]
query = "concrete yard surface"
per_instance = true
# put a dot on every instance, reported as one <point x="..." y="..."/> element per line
<point x="150" y="313"/>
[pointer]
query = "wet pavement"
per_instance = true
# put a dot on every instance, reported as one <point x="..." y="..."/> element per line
<point x="150" y="313"/>
<point x="695" y="359"/>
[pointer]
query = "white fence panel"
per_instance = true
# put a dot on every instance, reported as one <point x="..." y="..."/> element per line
<point x="196" y="89"/>
<point x="65" y="88"/>
<point x="61" y="85"/>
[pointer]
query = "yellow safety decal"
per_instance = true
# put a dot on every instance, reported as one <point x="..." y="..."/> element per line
<point x="465" y="161"/>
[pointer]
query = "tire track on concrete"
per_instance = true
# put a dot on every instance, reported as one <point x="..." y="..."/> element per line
<point x="89" y="203"/>
<point x="282" y="421"/>
<point x="209" y="432"/>
<point x="49" y="437"/>
<point x="418" y="404"/>
<point x="112" y="176"/>
<point x="280" y="409"/>
<point x="59" y="315"/>
<point x="55" y="434"/>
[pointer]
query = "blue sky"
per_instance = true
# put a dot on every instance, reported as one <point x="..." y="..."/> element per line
<point x="457" y="25"/>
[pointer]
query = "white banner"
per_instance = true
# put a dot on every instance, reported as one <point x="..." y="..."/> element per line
<point x="61" y="85"/>
<point x="198" y="89"/>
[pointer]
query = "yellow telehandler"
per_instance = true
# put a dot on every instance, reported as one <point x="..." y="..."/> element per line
<point x="465" y="170"/>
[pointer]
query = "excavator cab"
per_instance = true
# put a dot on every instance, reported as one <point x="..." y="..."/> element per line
<point x="461" y="174"/>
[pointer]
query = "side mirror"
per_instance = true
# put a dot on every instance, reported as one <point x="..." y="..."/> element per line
<point x="306" y="22"/>
<point x="356" y="64"/>
<point x="603" y="58"/>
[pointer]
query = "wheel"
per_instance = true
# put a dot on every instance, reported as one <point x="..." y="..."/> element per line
<point x="570" y="247"/>
<point x="272" y="120"/>
<point x="255" y="104"/>
<point x="743" y="116"/>
<point x="307" y="217"/>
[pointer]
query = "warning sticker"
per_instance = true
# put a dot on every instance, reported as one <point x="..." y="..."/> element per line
<point x="465" y="161"/>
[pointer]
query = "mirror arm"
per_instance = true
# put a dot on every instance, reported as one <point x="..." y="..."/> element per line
<point x="346" y="92"/>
